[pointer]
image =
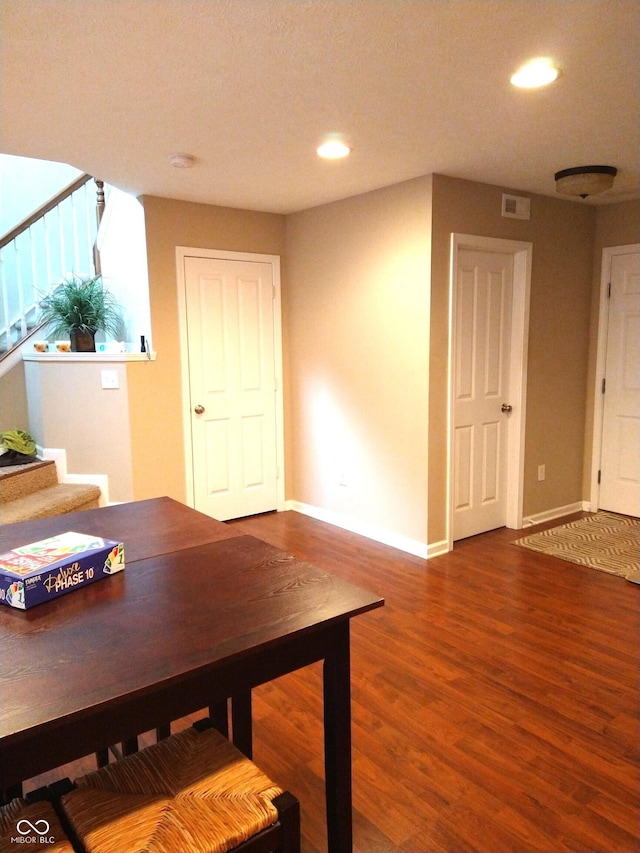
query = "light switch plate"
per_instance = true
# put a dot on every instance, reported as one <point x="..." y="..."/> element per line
<point x="110" y="379"/>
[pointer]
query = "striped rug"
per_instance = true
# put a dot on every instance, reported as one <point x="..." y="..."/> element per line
<point x="604" y="541"/>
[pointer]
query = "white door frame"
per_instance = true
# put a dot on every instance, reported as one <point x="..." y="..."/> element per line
<point x="183" y="252"/>
<point x="601" y="357"/>
<point x="522" y="256"/>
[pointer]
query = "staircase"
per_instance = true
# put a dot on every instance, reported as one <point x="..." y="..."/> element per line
<point x="33" y="491"/>
<point x="57" y="239"/>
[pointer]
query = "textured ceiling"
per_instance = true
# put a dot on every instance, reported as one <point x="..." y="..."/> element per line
<point x="249" y="88"/>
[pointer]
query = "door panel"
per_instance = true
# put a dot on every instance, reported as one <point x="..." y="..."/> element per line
<point x="481" y="382"/>
<point x="490" y="462"/>
<point x="230" y="330"/>
<point x="620" y="460"/>
<point x="216" y="435"/>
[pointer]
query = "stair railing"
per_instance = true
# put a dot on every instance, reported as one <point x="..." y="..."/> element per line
<point x="57" y="239"/>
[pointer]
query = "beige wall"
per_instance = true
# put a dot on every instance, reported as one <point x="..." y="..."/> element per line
<point x="357" y="309"/>
<point x="356" y="327"/>
<point x="616" y="225"/>
<point x="562" y="233"/>
<point x="14" y="413"/>
<point x="365" y="288"/>
<point x="69" y="410"/>
<point x="155" y="397"/>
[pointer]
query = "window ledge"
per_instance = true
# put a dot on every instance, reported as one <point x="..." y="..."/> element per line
<point x="89" y="356"/>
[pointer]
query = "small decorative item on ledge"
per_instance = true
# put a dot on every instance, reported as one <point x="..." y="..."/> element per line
<point x="83" y="341"/>
<point x="80" y="307"/>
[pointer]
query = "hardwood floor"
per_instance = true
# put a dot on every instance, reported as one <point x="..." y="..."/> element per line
<point x="494" y="700"/>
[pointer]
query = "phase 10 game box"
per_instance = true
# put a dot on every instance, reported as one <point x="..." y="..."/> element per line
<point x="35" y="573"/>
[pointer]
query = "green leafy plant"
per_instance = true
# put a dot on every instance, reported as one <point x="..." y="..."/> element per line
<point x="82" y="304"/>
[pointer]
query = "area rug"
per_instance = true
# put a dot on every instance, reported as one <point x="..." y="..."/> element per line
<point x="604" y="541"/>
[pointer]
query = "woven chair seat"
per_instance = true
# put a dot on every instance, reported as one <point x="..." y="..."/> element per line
<point x="191" y="793"/>
<point x="33" y="827"/>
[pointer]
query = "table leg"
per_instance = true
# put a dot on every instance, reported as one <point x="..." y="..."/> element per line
<point x="219" y="715"/>
<point x="130" y="746"/>
<point x="10" y="793"/>
<point x="102" y="757"/>
<point x="241" y="722"/>
<point x="337" y="743"/>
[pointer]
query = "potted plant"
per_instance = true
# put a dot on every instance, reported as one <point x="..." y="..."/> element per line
<point x="80" y="306"/>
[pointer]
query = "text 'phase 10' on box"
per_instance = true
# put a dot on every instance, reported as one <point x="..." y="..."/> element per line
<point x="37" y="572"/>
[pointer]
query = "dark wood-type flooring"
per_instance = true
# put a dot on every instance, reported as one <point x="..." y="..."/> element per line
<point x="494" y="700"/>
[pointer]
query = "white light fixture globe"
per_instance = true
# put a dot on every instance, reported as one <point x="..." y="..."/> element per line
<point x="333" y="149"/>
<point x="585" y="180"/>
<point x="538" y="72"/>
<point x="181" y="161"/>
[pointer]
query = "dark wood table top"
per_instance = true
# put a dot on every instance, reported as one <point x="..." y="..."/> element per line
<point x="148" y="528"/>
<point x="166" y="617"/>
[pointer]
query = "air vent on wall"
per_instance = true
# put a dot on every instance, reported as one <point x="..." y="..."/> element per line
<point x="516" y="206"/>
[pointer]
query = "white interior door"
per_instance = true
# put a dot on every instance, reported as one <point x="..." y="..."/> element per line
<point x="481" y="366"/>
<point x="229" y="307"/>
<point x="620" y="455"/>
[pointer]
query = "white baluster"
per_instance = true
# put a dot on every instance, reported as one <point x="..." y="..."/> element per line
<point x="88" y="219"/>
<point x="35" y="246"/>
<point x="6" y="327"/>
<point x="47" y="248"/>
<point x="23" y="325"/>
<point x="77" y="268"/>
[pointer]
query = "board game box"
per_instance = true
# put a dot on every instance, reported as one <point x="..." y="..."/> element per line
<point x="40" y="571"/>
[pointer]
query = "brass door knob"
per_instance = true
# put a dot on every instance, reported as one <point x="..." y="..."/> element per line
<point x="506" y="408"/>
<point x="199" y="410"/>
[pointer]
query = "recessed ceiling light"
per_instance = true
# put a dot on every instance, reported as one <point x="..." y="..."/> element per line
<point x="538" y="72"/>
<point x="333" y="149"/>
<point x="181" y="161"/>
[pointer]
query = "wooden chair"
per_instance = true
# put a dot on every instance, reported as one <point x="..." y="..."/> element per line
<point x="219" y="715"/>
<point x="32" y="824"/>
<point x="193" y="792"/>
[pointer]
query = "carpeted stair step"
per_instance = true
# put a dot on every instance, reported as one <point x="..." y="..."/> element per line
<point x="18" y="481"/>
<point x="53" y="500"/>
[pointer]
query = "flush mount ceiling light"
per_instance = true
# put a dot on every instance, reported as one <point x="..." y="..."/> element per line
<point x="181" y="161"/>
<point x="333" y="149"/>
<point x="538" y="72"/>
<point x="585" y="180"/>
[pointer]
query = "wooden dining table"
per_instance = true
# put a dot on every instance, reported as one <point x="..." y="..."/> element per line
<point x="199" y="615"/>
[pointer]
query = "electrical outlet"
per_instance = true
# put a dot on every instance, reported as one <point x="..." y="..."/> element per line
<point x="541" y="473"/>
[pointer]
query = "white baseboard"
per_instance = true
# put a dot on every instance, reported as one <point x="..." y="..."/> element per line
<point x="558" y="512"/>
<point x="437" y="548"/>
<point x="59" y="456"/>
<point x="363" y="528"/>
